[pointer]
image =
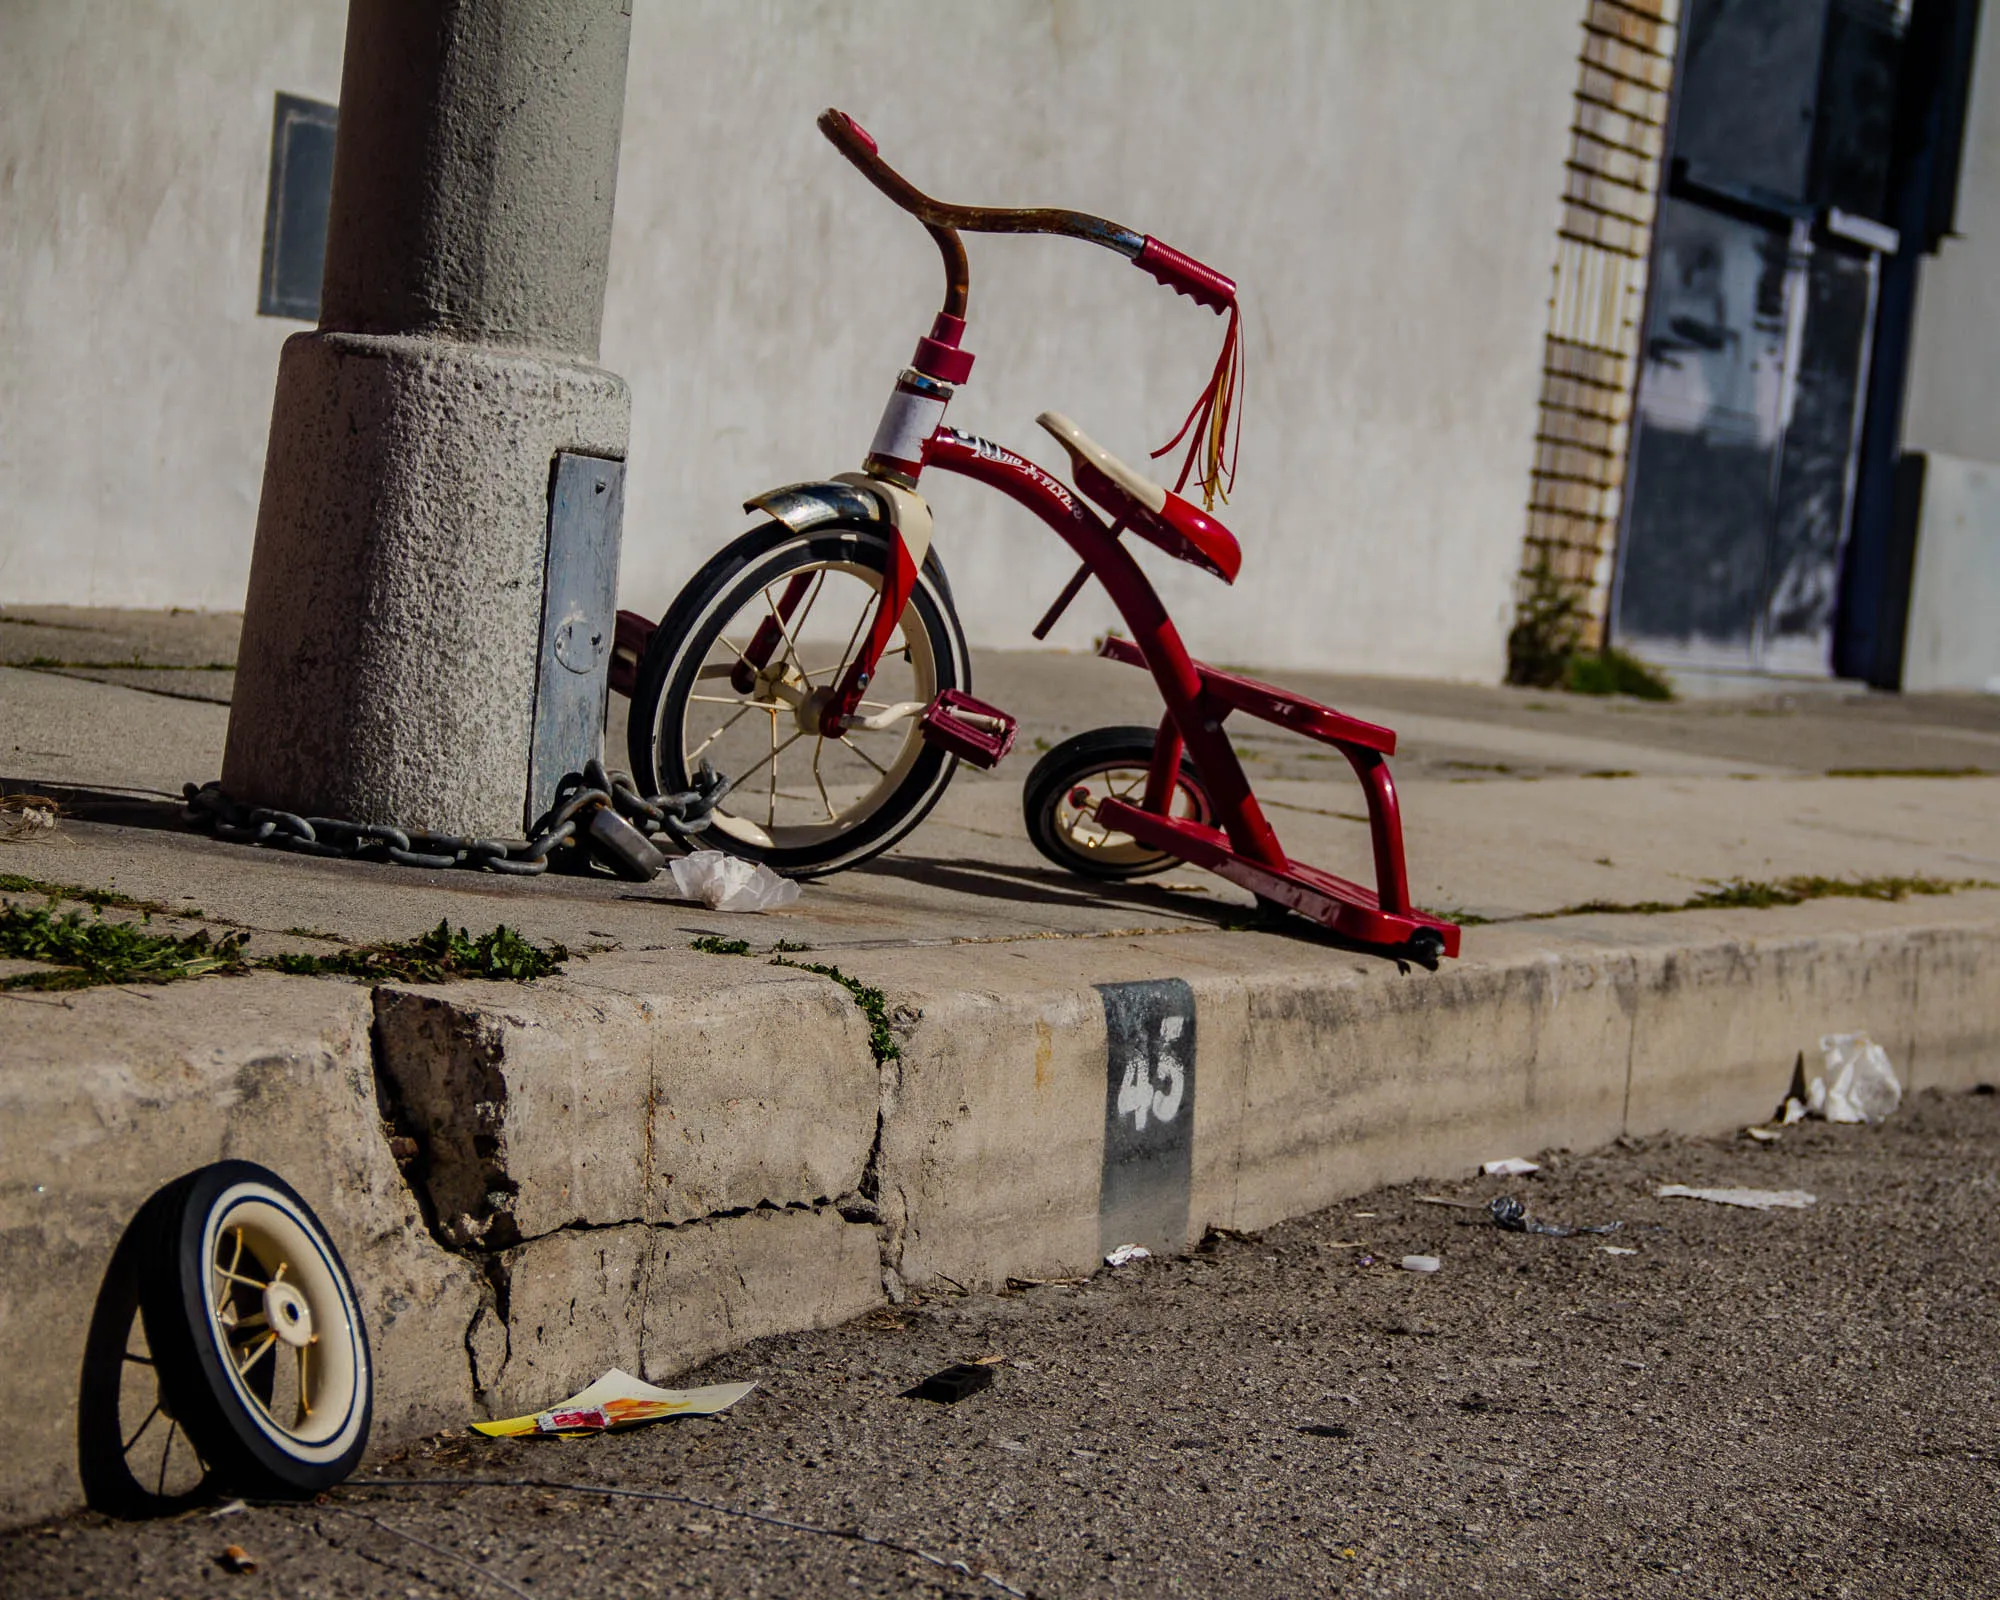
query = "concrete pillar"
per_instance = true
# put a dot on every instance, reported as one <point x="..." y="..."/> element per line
<point x="391" y="633"/>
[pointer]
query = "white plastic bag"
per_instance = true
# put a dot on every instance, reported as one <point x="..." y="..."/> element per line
<point x="729" y="883"/>
<point x="1859" y="1085"/>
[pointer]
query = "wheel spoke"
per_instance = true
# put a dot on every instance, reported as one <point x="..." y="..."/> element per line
<point x="305" y="1406"/>
<point x="243" y="1367"/>
<point x="771" y="808"/>
<point x="166" y="1457"/>
<point x="819" y="749"/>
<point x="141" y="1429"/>
<point x="864" y="755"/>
<point x="846" y="655"/>
<point x="228" y="1272"/>
<point x="248" y="1283"/>
<point x="737" y="700"/>
<point x="785" y="633"/>
<point x="695" y="753"/>
<point x="799" y="622"/>
<point x="761" y="760"/>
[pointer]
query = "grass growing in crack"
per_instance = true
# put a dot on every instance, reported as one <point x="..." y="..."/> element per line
<point x="14" y="883"/>
<point x="873" y="1002"/>
<point x="90" y="951"/>
<point x="1747" y="895"/>
<point x="439" y="956"/>
<point x="711" y="944"/>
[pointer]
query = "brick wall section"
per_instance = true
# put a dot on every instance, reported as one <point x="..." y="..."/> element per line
<point x="1590" y="369"/>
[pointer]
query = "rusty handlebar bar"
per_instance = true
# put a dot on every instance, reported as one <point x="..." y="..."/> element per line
<point x="1182" y="273"/>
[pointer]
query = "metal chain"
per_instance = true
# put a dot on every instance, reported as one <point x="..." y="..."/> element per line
<point x="682" y="817"/>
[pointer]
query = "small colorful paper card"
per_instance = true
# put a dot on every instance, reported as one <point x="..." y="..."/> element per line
<point x="618" y="1400"/>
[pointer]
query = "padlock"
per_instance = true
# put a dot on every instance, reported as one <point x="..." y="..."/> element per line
<point x="615" y="843"/>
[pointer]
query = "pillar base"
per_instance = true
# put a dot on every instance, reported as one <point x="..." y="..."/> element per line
<point x="387" y="669"/>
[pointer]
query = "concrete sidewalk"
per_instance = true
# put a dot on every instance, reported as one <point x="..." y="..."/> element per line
<point x="663" y="1152"/>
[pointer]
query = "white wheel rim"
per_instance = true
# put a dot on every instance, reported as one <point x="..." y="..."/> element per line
<point x="1077" y="825"/>
<point x="761" y="809"/>
<point x="260" y="1254"/>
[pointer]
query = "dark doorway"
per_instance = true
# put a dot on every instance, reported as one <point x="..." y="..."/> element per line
<point x="1759" y="330"/>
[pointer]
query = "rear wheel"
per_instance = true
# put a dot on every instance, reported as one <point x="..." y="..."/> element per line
<point x="1060" y="799"/>
<point x="739" y="668"/>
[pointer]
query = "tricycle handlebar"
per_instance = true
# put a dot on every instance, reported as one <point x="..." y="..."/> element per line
<point x="1180" y="272"/>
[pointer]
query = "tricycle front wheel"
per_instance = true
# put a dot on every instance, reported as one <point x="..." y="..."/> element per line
<point x="739" y="669"/>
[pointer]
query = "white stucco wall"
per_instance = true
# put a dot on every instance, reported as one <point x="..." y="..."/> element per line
<point x="1952" y="413"/>
<point x="1952" y="405"/>
<point x="1381" y="177"/>
<point x="135" y="374"/>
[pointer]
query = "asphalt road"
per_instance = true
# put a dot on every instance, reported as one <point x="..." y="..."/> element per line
<point x="1750" y="1403"/>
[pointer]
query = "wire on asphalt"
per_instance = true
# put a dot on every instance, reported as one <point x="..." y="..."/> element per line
<point x="854" y="1535"/>
<point x="437" y="1549"/>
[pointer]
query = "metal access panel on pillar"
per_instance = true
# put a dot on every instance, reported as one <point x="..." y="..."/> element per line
<point x="579" y="606"/>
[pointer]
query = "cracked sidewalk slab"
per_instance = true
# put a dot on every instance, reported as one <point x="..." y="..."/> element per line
<point x="631" y="1094"/>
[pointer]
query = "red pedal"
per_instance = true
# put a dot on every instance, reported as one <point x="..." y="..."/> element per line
<point x="970" y="729"/>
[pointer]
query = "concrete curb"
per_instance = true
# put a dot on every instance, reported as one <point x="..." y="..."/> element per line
<point x="660" y="1158"/>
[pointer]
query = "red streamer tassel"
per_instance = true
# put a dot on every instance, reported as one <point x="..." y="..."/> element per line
<point x="1212" y="446"/>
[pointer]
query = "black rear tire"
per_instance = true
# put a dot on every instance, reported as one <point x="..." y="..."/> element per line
<point x="1103" y="762"/>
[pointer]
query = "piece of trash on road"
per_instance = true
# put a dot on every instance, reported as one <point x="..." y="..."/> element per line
<point x="1126" y="1254"/>
<point x="1859" y="1084"/>
<point x="228" y="1508"/>
<point x="1419" y="1263"/>
<point x="618" y="1400"/>
<point x="235" y="1558"/>
<point x="729" y="883"/>
<point x="1618" y="1249"/>
<point x="952" y="1385"/>
<point x="1856" y="1083"/>
<point x="1764" y="1135"/>
<point x="1509" y="1167"/>
<point x="1509" y="1213"/>
<point x="1748" y="1199"/>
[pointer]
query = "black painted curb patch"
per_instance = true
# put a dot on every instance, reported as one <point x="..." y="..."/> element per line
<point x="1148" y="1114"/>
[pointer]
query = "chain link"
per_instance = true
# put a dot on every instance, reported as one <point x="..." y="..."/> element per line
<point x="681" y="817"/>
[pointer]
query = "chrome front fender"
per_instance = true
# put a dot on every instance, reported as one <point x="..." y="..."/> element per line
<point x="852" y="497"/>
<point x="803" y="506"/>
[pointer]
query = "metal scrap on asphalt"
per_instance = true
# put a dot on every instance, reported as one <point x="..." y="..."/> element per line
<point x="1748" y="1199"/>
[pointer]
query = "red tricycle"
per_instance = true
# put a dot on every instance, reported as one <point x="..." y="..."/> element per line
<point x="818" y="663"/>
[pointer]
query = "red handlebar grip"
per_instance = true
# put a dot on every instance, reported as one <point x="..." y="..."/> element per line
<point x="840" y="119"/>
<point x="1185" y="275"/>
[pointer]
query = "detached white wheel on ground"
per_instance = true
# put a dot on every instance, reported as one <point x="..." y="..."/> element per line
<point x="258" y="1340"/>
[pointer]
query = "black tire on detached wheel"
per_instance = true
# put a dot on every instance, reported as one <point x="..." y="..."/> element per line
<point x="1058" y="802"/>
<point x="254" y="1331"/>
<point x="802" y="804"/>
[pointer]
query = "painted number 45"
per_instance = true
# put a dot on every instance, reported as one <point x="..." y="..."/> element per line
<point x="1154" y="1093"/>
